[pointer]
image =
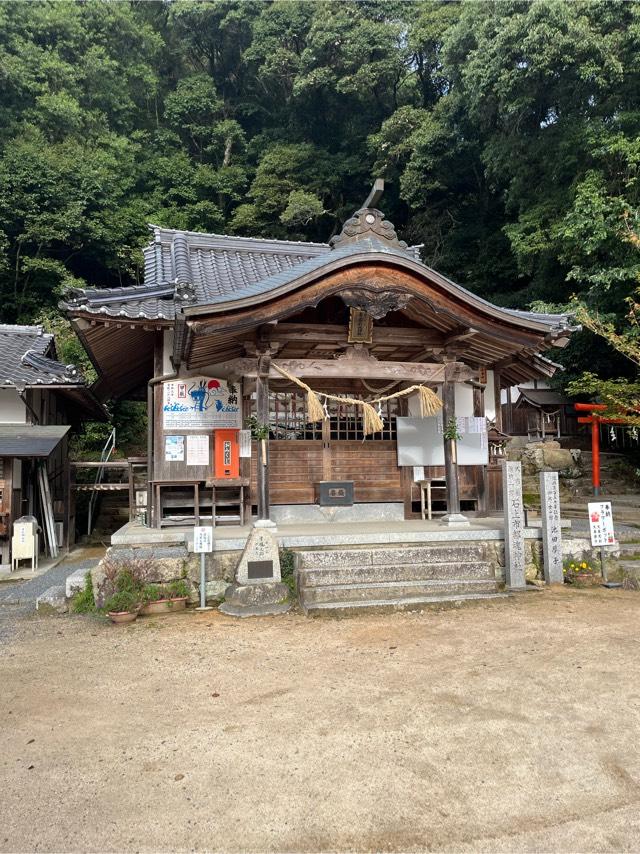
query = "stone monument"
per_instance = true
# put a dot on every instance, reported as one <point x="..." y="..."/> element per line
<point x="513" y="525"/>
<point x="551" y="530"/>
<point x="258" y="588"/>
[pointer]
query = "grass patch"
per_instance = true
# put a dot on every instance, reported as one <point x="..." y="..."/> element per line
<point x="82" y="601"/>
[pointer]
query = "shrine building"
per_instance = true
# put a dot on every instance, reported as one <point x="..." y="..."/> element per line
<point x="258" y="358"/>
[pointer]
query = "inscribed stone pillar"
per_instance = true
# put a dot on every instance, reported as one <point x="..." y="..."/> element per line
<point x="513" y="525"/>
<point x="551" y="531"/>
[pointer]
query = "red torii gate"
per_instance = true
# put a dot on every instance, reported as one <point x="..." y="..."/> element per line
<point x="595" y="421"/>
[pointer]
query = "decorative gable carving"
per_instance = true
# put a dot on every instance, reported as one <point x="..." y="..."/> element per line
<point x="376" y="303"/>
<point x="368" y="222"/>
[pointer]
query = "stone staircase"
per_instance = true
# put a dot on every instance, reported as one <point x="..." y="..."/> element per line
<point x="629" y="560"/>
<point x="342" y="579"/>
<point x="113" y="513"/>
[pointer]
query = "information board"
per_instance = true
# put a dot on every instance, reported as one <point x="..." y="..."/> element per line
<point x="601" y="523"/>
<point x="421" y="443"/>
<point x="197" y="450"/>
<point x="245" y="443"/>
<point x="202" y="539"/>
<point x="197" y="403"/>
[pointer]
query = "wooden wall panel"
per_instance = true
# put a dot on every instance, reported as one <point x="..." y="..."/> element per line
<point x="372" y="466"/>
<point x="294" y="469"/>
<point x="296" y="466"/>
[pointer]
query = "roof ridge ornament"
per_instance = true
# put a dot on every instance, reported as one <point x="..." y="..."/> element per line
<point x="368" y="221"/>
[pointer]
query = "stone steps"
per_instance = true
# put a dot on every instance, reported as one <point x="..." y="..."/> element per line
<point x="396" y="591"/>
<point x="630" y="567"/>
<point x="629" y="549"/>
<point x="389" y="555"/>
<point x="408" y="602"/>
<point x="386" y="576"/>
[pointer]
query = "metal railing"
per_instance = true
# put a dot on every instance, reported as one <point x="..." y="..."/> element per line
<point x="109" y="445"/>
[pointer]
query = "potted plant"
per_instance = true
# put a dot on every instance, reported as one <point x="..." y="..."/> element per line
<point x="125" y="585"/>
<point x="162" y="598"/>
<point x="123" y="606"/>
<point x="580" y="572"/>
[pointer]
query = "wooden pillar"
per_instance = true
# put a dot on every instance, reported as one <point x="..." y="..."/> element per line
<point x="497" y="380"/>
<point x="478" y="411"/>
<point x="450" y="465"/>
<point x="509" y="424"/>
<point x="262" y="413"/>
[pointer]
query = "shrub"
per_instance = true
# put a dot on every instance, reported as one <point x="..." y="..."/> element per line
<point x="287" y="565"/>
<point x="178" y="589"/>
<point x="123" y="576"/>
<point x="152" y="593"/>
<point x="174" y="590"/>
<point x="124" y="600"/>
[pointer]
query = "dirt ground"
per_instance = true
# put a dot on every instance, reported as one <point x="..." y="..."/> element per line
<point x="511" y="725"/>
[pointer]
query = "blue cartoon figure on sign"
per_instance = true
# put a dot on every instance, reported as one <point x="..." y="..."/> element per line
<point x="198" y="395"/>
<point x="201" y="393"/>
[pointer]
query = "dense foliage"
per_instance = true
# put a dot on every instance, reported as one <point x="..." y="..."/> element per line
<point x="508" y="132"/>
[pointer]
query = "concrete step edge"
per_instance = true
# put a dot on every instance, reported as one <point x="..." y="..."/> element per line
<point x="317" y="581"/>
<point x="399" y="603"/>
<point x="436" y="582"/>
<point x="382" y="567"/>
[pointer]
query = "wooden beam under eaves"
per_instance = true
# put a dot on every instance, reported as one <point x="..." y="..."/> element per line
<point x="460" y="335"/>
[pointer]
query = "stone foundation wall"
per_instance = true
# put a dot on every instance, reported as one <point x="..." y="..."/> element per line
<point x="169" y="563"/>
<point x="578" y="548"/>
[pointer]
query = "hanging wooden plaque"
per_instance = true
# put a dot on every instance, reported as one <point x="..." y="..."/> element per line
<point x="360" y="327"/>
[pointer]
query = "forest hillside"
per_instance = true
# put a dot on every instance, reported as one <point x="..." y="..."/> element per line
<point x="507" y="133"/>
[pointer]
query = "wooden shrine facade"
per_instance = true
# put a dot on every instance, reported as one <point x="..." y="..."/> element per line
<point x="358" y="318"/>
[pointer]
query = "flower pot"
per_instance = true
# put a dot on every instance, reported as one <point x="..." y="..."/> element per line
<point x="586" y="579"/>
<point x="165" y="606"/>
<point x="122" y="616"/>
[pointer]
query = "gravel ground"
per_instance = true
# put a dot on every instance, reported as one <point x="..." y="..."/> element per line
<point x="18" y="598"/>
<point x="509" y="725"/>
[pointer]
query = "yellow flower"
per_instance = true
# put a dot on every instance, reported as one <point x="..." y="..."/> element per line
<point x="584" y="565"/>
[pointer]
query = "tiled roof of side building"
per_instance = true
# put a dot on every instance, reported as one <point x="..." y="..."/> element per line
<point x="26" y="359"/>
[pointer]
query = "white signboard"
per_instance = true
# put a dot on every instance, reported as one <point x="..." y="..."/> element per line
<point x="197" y="403"/>
<point x="202" y="539"/>
<point x="197" y="450"/>
<point x="245" y="443"/>
<point x="421" y="443"/>
<point x="174" y="449"/>
<point x="601" y="523"/>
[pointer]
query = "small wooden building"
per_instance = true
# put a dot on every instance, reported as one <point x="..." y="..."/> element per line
<point x="221" y="325"/>
<point x="41" y="399"/>
<point x="540" y="413"/>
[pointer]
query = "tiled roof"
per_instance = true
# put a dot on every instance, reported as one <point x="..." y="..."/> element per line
<point x="309" y="265"/>
<point x="191" y="268"/>
<point x="27" y="359"/>
<point x="186" y="269"/>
